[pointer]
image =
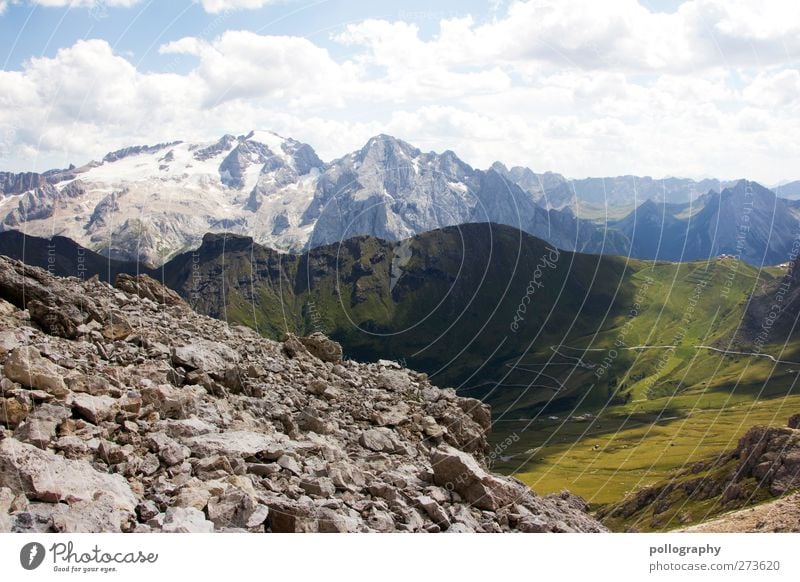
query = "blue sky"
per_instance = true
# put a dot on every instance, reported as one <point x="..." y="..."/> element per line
<point x="29" y="30"/>
<point x="696" y="88"/>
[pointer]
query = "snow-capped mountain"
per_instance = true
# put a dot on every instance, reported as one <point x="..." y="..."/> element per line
<point x="151" y="202"/>
<point x="393" y="190"/>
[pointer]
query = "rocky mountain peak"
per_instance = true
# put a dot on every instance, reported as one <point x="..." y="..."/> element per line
<point x="651" y="211"/>
<point x="386" y="149"/>
<point x="135" y="150"/>
<point x="747" y="188"/>
<point x="500" y="168"/>
<point x="224" y="144"/>
<point x="157" y="419"/>
<point x="286" y="151"/>
<point x="550" y="190"/>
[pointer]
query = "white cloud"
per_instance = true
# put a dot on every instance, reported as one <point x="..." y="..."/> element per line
<point x="217" y="6"/>
<point x="64" y="107"/>
<point x="611" y="35"/>
<point x="84" y="3"/>
<point x="210" y="6"/>
<point x="710" y="89"/>
<point x="241" y="65"/>
<point x="775" y="89"/>
<point x="97" y="6"/>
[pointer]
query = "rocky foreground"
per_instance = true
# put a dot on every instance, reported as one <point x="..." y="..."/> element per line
<point x="123" y="410"/>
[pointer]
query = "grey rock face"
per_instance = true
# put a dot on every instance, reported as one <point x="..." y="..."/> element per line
<point x="147" y="288"/>
<point x="553" y="190"/>
<point x="225" y="143"/>
<point x="41" y="203"/>
<point x="323" y="348"/>
<point x="13" y="183"/>
<point x="44" y="476"/>
<point x="133" y="150"/>
<point x="391" y="190"/>
<point x="27" y="366"/>
<point x="714" y="227"/>
<point x="244" y="155"/>
<point x="186" y="520"/>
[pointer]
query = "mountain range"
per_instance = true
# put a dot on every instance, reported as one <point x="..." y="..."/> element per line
<point x="588" y="195"/>
<point x="150" y="203"/>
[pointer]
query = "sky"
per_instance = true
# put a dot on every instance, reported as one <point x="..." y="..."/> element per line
<point x="701" y="88"/>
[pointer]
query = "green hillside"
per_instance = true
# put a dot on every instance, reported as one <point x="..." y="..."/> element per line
<point x="608" y="374"/>
<point x="593" y="364"/>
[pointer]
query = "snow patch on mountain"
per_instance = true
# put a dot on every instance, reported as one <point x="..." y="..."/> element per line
<point x="152" y="202"/>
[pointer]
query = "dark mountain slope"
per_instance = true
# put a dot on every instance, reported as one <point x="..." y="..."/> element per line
<point x="63" y="257"/>
<point x="456" y="302"/>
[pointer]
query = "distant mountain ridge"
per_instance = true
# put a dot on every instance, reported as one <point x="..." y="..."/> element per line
<point x="789" y="190"/>
<point x="553" y="190"/>
<point x="746" y="220"/>
<point x="150" y="203"/>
